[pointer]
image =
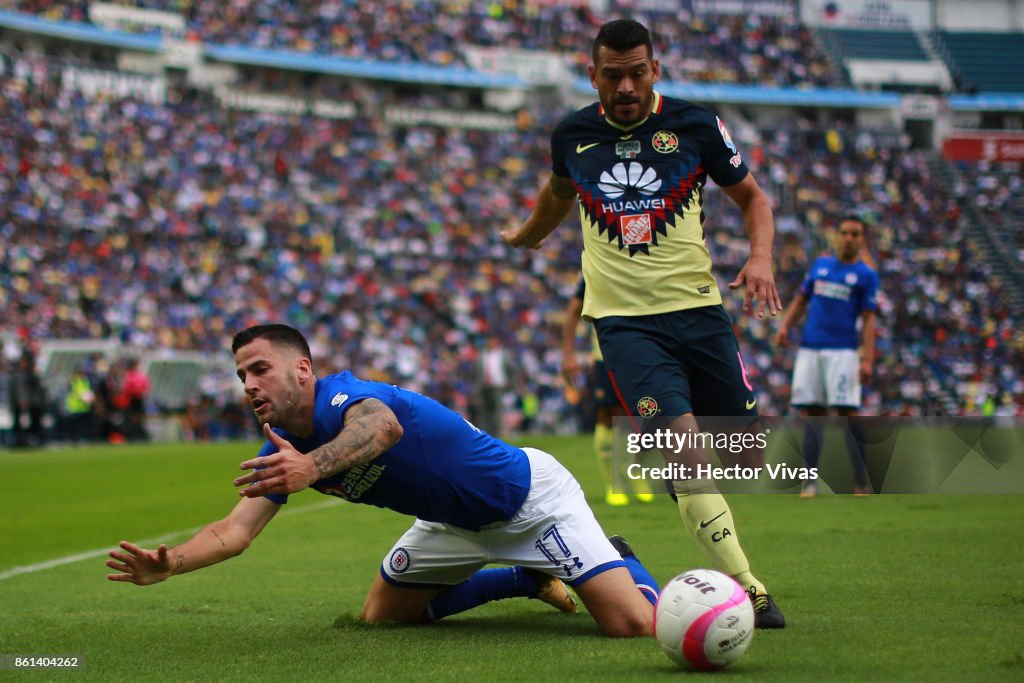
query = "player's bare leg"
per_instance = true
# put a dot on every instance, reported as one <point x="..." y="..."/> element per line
<point x="385" y="602"/>
<point x="616" y="604"/>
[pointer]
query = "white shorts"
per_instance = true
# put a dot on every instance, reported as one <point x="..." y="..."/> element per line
<point x="827" y="378"/>
<point x="554" y="532"/>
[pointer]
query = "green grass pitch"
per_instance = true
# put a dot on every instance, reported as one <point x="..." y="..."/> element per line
<point x="887" y="587"/>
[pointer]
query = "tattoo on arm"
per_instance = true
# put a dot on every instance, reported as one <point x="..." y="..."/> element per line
<point x="563" y="188"/>
<point x="370" y="429"/>
<point x="222" y="543"/>
<point x="180" y="561"/>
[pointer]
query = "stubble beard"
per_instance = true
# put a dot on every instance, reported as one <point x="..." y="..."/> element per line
<point x="644" y="110"/>
<point x="282" y="410"/>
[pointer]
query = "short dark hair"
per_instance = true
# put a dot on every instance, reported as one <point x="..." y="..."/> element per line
<point x="622" y="35"/>
<point x="276" y="333"/>
<point x="856" y="219"/>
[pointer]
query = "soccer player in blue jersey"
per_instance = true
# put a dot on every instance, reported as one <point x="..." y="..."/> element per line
<point x="637" y="163"/>
<point x="838" y="290"/>
<point x="476" y="499"/>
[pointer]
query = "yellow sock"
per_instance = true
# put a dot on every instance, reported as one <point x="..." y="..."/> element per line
<point x="708" y="518"/>
<point x="642" y="487"/>
<point x="603" y="442"/>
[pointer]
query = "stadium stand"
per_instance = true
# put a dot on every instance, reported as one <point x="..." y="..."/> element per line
<point x="882" y="45"/>
<point x="153" y="299"/>
<point x="140" y="209"/>
<point x="891" y="59"/>
<point x="700" y="46"/>
<point x="998" y="192"/>
<point x="695" y="42"/>
<point x="992" y="193"/>
<point x="984" y="62"/>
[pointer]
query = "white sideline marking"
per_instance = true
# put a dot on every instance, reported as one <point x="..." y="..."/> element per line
<point x="90" y="554"/>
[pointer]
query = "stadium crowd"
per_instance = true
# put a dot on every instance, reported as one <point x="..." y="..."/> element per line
<point x="171" y="226"/>
<point x="989" y="373"/>
<point x="693" y="46"/>
<point x="937" y="299"/>
<point x="997" y="190"/>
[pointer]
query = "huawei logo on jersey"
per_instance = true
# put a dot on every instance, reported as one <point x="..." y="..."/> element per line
<point x="632" y="205"/>
<point x="630" y="176"/>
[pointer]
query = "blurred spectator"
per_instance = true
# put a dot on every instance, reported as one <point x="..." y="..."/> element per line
<point x="80" y="407"/>
<point x="131" y="398"/>
<point x="27" y="398"/>
<point x="494" y="372"/>
<point x="103" y="393"/>
<point x="116" y="403"/>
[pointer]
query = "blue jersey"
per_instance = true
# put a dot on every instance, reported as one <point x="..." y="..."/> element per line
<point x="837" y="293"/>
<point x="443" y="469"/>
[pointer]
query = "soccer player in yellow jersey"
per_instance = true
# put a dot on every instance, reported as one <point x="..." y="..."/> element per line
<point x="606" y="406"/>
<point x="637" y="163"/>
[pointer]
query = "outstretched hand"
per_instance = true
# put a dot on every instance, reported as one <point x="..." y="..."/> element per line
<point x="140" y="566"/>
<point x="286" y="471"/>
<point x="761" y="291"/>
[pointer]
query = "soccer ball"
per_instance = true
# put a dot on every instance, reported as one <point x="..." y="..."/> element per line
<point x="703" y="620"/>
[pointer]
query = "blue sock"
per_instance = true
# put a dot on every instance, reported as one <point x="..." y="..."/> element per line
<point x="642" y="578"/>
<point x="484" y="586"/>
<point x="855" y="445"/>
<point x="814" y="434"/>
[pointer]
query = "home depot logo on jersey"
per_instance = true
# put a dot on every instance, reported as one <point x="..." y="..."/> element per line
<point x="636" y="229"/>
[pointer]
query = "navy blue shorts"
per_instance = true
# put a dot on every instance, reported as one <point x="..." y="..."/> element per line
<point x="604" y="392"/>
<point x="675" y="363"/>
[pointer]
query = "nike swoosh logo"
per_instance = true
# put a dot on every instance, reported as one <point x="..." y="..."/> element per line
<point x="750" y="404"/>
<point x="704" y="525"/>
<point x="580" y="149"/>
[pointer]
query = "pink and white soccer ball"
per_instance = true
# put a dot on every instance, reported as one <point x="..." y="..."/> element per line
<point x="703" y="620"/>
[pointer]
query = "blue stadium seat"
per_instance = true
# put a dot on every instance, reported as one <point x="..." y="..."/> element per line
<point x="868" y="44"/>
<point x="986" y="62"/>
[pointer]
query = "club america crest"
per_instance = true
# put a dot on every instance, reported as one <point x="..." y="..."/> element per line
<point x="647" y="407"/>
<point x="665" y="141"/>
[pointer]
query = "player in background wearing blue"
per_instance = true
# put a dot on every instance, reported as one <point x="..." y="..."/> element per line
<point x="476" y="499"/>
<point x="637" y="163"/>
<point x="606" y="407"/>
<point x="828" y="373"/>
